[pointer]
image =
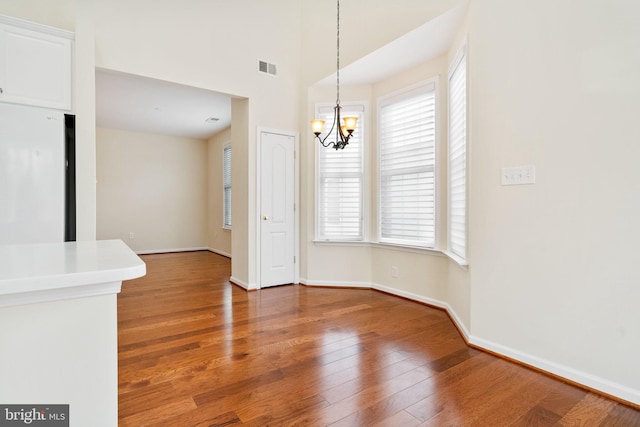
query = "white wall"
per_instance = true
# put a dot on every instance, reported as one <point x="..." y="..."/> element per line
<point x="154" y="186"/>
<point x="554" y="265"/>
<point x="218" y="238"/>
<point x="85" y="110"/>
<point x="243" y="235"/>
<point x="56" y="13"/>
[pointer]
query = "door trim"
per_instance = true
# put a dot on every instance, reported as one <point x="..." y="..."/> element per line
<point x="296" y="198"/>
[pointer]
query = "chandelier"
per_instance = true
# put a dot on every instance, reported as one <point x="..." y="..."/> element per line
<point x="343" y="130"/>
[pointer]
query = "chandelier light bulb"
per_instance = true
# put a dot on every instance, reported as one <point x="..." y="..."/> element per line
<point x="350" y="123"/>
<point x="317" y="126"/>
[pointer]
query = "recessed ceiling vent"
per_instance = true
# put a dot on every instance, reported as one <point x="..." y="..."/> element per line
<point x="265" y="67"/>
<point x="212" y="120"/>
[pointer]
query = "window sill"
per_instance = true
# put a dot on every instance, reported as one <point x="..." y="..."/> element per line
<point x="390" y="246"/>
<point x="407" y="248"/>
<point x="462" y="263"/>
<point x="341" y="243"/>
<point x="458" y="260"/>
<point x="225" y="227"/>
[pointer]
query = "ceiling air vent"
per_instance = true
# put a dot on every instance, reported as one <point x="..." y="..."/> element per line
<point x="265" y="67"/>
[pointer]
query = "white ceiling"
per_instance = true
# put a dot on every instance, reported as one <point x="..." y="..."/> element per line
<point x="135" y="103"/>
<point x="426" y="42"/>
<point x="140" y="104"/>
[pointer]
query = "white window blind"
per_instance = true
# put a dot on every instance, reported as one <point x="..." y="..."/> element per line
<point x="339" y="213"/>
<point x="407" y="133"/>
<point x="457" y="224"/>
<point x="226" y="183"/>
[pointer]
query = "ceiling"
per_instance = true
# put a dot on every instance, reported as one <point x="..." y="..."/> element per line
<point x="140" y="104"/>
<point x="426" y="42"/>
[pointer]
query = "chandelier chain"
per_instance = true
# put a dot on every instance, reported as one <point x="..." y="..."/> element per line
<point x="338" y="55"/>
<point x="343" y="132"/>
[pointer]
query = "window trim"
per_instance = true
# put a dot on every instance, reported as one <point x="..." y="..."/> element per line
<point x="225" y="147"/>
<point x="461" y="259"/>
<point x="362" y="127"/>
<point x="432" y="83"/>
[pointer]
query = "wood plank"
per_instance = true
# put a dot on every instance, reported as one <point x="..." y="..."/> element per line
<point x="590" y="411"/>
<point x="195" y="350"/>
<point x="537" y="417"/>
<point x="622" y="416"/>
<point x="401" y="418"/>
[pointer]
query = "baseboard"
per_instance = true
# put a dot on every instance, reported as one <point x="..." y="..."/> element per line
<point x="330" y="284"/>
<point x="396" y="292"/>
<point x="618" y="392"/>
<point x="427" y="301"/>
<point x="582" y="379"/>
<point x="216" y="251"/>
<point x="167" y="251"/>
<point x="242" y="284"/>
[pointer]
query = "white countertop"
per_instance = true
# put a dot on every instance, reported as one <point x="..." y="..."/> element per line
<point x="53" y="271"/>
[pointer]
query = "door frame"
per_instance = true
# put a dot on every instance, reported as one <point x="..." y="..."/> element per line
<point x="296" y="198"/>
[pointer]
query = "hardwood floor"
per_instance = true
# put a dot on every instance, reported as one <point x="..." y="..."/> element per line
<point x="195" y="350"/>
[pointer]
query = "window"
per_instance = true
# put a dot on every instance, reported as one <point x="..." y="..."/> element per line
<point x="340" y="184"/>
<point x="407" y="135"/>
<point x="457" y="224"/>
<point x="226" y="184"/>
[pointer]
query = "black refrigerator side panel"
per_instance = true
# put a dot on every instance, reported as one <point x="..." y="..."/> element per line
<point x="70" y="178"/>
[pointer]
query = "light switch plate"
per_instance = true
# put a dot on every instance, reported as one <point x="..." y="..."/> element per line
<point x="519" y="175"/>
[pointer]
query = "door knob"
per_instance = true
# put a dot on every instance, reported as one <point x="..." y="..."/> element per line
<point x="265" y="218"/>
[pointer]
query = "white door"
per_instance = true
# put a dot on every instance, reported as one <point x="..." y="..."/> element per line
<point x="277" y="225"/>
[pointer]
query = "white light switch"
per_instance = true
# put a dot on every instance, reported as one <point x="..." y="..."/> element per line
<point x="519" y="175"/>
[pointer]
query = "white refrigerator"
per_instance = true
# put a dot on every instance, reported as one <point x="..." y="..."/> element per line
<point x="35" y="186"/>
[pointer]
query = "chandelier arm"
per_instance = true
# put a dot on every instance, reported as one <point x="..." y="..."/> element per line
<point x="328" y="144"/>
<point x="339" y="135"/>
<point x="333" y="125"/>
<point x="341" y="140"/>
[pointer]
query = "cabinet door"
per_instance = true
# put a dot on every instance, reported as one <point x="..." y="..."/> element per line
<point x="35" y="68"/>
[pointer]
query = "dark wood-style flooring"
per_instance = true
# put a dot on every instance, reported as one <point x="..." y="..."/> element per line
<point x="195" y="350"/>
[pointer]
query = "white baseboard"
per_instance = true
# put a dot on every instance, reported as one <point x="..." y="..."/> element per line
<point x="580" y="378"/>
<point x="216" y="251"/>
<point x="331" y="284"/>
<point x="166" y="251"/>
<point x="408" y="295"/>
<point x="429" y="301"/>
<point x="242" y="284"/>
<point x="591" y="381"/>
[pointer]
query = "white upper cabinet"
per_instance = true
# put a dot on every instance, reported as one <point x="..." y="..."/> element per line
<point x="35" y="64"/>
